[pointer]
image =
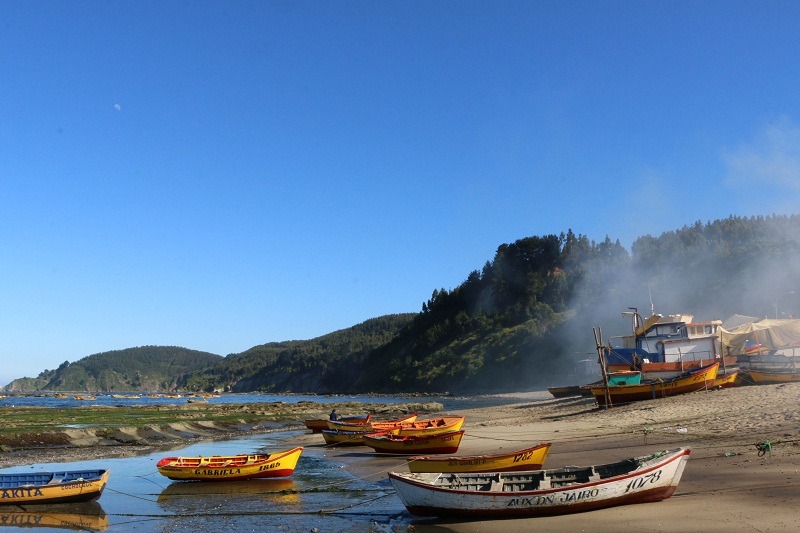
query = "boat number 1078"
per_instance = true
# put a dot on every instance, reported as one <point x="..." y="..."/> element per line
<point x="639" y="482"/>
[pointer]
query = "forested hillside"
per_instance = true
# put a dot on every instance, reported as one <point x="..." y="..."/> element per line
<point x="316" y="365"/>
<point x="522" y="321"/>
<point x="145" y="368"/>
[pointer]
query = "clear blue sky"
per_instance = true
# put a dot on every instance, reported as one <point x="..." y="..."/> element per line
<point x="218" y="175"/>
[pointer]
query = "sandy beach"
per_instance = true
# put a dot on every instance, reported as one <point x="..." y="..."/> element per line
<point x="728" y="484"/>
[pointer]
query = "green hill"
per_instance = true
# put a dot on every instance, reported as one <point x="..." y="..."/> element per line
<point x="319" y="365"/>
<point x="145" y="368"/>
<point x="517" y="323"/>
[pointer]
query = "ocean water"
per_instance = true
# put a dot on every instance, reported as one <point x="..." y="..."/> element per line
<point x="320" y="496"/>
<point x="449" y="402"/>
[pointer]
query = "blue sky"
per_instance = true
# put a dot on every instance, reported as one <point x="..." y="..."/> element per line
<point x="218" y="175"/>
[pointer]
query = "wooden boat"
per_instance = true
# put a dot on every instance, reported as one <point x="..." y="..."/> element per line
<point x="347" y="438"/>
<point x="769" y="378"/>
<point x="372" y="427"/>
<point x="726" y="380"/>
<point x="433" y="426"/>
<point x="566" y="391"/>
<point x="695" y="380"/>
<point x="318" y="424"/>
<point x="52" y="487"/>
<point x="355" y="422"/>
<point x="545" y="492"/>
<point x="85" y="398"/>
<point x="405" y="445"/>
<point x="527" y="459"/>
<point x="230" y="467"/>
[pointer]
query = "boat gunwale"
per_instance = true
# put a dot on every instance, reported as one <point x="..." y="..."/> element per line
<point x="677" y="455"/>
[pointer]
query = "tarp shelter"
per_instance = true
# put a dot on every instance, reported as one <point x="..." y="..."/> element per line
<point x="774" y="334"/>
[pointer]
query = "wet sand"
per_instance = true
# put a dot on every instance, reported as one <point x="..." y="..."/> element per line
<point x="728" y="484"/>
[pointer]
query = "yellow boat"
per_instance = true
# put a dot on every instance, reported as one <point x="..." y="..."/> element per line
<point x="433" y="426"/>
<point x="520" y="460"/>
<point x="770" y="378"/>
<point x="52" y="487"/>
<point x="725" y="381"/>
<point x="230" y="467"/>
<point x="372" y="427"/>
<point x="405" y="445"/>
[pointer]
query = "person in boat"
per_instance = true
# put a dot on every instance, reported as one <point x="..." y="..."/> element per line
<point x="334" y="415"/>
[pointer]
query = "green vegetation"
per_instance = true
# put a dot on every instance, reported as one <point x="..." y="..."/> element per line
<point x="517" y="323"/>
<point x="145" y="368"/>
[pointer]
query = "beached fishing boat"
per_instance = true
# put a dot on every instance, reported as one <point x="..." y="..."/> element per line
<point x="527" y="459"/>
<point x="771" y="378"/>
<point x="230" y="467"/>
<point x="566" y="391"/>
<point x="692" y="381"/>
<point x="726" y="380"/>
<point x="545" y="492"/>
<point x="664" y="347"/>
<point x="318" y="424"/>
<point x="432" y="426"/>
<point x="373" y="426"/>
<point x="397" y="444"/>
<point x="52" y="487"/>
<point x="347" y="438"/>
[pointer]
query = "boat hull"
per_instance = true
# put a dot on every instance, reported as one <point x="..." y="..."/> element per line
<point x="231" y="467"/>
<point x="434" y="426"/>
<point x="653" y="481"/>
<point x="55" y="487"/>
<point x="521" y="460"/>
<point x="696" y="380"/>
<point x="399" y="445"/>
<point x="771" y="378"/>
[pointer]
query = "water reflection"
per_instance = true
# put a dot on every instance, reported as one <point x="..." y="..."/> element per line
<point x="212" y="493"/>
<point x="88" y="516"/>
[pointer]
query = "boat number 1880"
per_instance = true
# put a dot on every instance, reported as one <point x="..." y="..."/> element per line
<point x="640" y="482"/>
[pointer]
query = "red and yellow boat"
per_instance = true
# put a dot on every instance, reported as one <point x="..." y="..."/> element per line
<point x="433" y="426"/>
<point x="695" y="380"/>
<point x="230" y="467"/>
<point x="528" y="459"/>
<point x="412" y="445"/>
<point x="372" y="427"/>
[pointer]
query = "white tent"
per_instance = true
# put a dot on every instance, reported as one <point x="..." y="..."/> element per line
<point x="774" y="334"/>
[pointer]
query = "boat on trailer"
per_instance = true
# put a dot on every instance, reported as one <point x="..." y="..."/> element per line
<point x="571" y="489"/>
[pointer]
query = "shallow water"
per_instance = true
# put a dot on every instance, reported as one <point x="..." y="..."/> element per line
<point x="449" y="402"/>
<point x="320" y="494"/>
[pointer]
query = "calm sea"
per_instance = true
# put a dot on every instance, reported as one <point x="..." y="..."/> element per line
<point x="320" y="496"/>
<point x="450" y="402"/>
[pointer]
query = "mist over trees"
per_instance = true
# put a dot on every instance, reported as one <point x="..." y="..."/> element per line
<point x="523" y="321"/>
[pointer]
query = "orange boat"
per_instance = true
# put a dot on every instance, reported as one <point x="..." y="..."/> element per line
<point x="386" y="425"/>
<point x="433" y="426"/>
<point x="396" y="444"/>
